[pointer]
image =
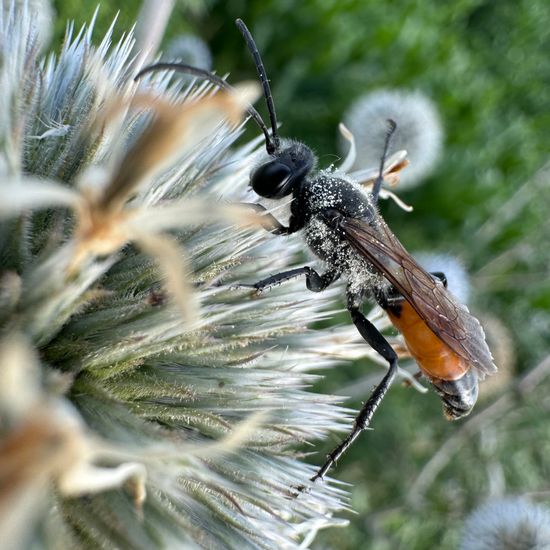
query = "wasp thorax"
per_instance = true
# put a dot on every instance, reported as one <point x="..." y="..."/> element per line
<point x="278" y="177"/>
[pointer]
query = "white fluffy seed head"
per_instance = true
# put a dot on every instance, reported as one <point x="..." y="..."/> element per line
<point x="189" y="49"/>
<point x="419" y="130"/>
<point x="508" y="524"/>
<point x="458" y="280"/>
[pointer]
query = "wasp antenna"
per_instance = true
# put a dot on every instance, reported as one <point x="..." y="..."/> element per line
<point x="392" y="126"/>
<point x="265" y="83"/>
<point x="202" y="73"/>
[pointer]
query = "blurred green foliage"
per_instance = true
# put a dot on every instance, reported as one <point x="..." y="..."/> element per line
<point x="486" y="66"/>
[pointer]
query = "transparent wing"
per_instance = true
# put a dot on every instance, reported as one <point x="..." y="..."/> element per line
<point x="443" y="313"/>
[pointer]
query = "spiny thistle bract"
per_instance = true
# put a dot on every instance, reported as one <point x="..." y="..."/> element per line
<point x="124" y="423"/>
<point x="42" y="17"/>
<point x="419" y="130"/>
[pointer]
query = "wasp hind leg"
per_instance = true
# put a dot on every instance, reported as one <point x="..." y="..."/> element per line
<point x="392" y="299"/>
<point x="373" y="337"/>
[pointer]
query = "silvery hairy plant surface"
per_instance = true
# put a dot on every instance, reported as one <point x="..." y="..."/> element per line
<point x="145" y="402"/>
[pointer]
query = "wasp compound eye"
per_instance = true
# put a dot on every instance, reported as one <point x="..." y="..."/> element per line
<point x="272" y="180"/>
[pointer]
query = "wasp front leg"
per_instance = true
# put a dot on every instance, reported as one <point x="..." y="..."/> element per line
<point x="314" y="281"/>
<point x="373" y="337"/>
<point x="268" y="221"/>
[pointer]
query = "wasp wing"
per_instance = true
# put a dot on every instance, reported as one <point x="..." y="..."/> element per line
<point x="443" y="313"/>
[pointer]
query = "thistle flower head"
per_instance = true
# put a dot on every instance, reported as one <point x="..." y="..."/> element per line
<point x="509" y="524"/>
<point x="419" y="130"/>
<point x="176" y="433"/>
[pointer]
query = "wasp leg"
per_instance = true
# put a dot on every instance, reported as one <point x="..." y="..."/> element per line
<point x="392" y="126"/>
<point x="314" y="281"/>
<point x="392" y="298"/>
<point x="373" y="337"/>
<point x="268" y="221"/>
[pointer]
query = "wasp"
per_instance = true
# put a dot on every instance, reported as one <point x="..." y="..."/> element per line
<point x="342" y="226"/>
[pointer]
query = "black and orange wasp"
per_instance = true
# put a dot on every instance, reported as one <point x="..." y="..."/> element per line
<point x="342" y="227"/>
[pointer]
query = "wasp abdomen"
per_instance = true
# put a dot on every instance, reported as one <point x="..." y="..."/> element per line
<point x="453" y="378"/>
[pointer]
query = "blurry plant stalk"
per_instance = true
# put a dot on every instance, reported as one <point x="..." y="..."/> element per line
<point x="152" y="20"/>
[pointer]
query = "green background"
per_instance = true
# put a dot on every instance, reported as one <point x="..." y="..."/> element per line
<point x="486" y="66"/>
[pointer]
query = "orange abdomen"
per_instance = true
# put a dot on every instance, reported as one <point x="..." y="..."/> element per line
<point x="433" y="356"/>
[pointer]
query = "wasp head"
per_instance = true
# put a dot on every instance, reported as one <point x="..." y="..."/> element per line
<point x="286" y="169"/>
